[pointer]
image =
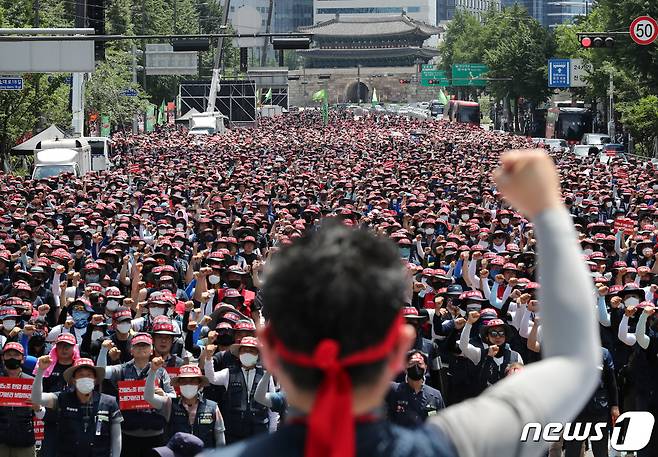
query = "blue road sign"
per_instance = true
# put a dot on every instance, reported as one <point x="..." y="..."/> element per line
<point x="11" y="83"/>
<point x="129" y="93"/>
<point x="558" y="72"/>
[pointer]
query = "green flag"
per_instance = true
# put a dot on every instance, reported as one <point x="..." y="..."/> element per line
<point x="268" y="95"/>
<point x="258" y="100"/>
<point x="442" y="98"/>
<point x="105" y="125"/>
<point x="162" y="114"/>
<point x="319" y="95"/>
<point x="374" y="100"/>
<point x="150" y="117"/>
<point x="325" y="107"/>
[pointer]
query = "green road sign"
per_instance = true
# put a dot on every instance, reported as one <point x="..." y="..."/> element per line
<point x="469" y="74"/>
<point x="430" y="76"/>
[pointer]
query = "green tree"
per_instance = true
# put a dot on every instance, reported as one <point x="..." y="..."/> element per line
<point x="519" y="48"/>
<point x="641" y="119"/>
<point x="103" y="91"/>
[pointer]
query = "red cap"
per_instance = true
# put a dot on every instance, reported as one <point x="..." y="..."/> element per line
<point x="13" y="346"/>
<point x="67" y="338"/>
<point x="244" y="325"/>
<point x="144" y="338"/>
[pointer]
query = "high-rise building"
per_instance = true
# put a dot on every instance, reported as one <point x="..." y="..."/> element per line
<point x="564" y="12"/>
<point x="289" y="15"/>
<point x="552" y="13"/>
<point x="445" y="9"/>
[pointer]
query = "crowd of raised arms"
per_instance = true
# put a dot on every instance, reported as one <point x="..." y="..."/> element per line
<point x="145" y="283"/>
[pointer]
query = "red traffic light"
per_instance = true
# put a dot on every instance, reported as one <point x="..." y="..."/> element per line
<point x="600" y="40"/>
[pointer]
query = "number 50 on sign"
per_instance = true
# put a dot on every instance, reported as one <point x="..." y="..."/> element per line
<point x="644" y="30"/>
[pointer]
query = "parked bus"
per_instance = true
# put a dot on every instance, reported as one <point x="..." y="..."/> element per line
<point x="463" y="111"/>
<point x="568" y="123"/>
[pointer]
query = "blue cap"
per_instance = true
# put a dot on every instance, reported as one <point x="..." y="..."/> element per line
<point x="181" y="445"/>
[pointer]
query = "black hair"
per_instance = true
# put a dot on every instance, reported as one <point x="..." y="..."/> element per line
<point x="339" y="283"/>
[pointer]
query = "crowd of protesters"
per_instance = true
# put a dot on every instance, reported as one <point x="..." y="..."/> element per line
<point x="154" y="270"/>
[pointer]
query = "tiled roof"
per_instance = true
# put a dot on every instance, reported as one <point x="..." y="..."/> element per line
<point x="377" y="26"/>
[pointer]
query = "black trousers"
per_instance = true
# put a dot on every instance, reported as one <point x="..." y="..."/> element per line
<point x="132" y="446"/>
<point x="599" y="448"/>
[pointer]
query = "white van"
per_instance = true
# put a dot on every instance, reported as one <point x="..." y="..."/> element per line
<point x="55" y="157"/>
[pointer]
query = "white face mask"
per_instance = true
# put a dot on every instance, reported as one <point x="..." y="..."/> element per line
<point x="179" y="227"/>
<point x="155" y="312"/>
<point x="85" y="385"/>
<point x="631" y="301"/>
<point x="96" y="335"/>
<point x="248" y="360"/>
<point x="647" y="252"/>
<point x="123" y="327"/>
<point x="429" y="231"/>
<point x="213" y="279"/>
<point x="587" y="251"/>
<point x="162" y="231"/>
<point x="189" y="391"/>
<point x="465" y="217"/>
<point x="484" y="244"/>
<point x="112" y="305"/>
<point x="77" y="242"/>
<point x="608" y="204"/>
<point x="504" y="221"/>
<point x="444" y="218"/>
<point x="263" y="230"/>
<point x="9" y="325"/>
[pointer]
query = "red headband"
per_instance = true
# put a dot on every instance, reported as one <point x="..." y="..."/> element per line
<point x="331" y="422"/>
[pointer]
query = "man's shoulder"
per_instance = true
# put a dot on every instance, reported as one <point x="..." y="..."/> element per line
<point x="377" y="439"/>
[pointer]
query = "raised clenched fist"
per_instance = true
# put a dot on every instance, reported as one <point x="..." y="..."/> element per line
<point x="493" y="350"/>
<point x="473" y="317"/>
<point x="44" y="362"/>
<point x="157" y="363"/>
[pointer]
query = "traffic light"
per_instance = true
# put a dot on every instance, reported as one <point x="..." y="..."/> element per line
<point x="190" y="44"/>
<point x="596" y="41"/>
<point x="291" y="43"/>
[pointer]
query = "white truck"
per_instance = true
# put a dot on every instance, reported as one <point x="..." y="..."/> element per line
<point x="101" y="150"/>
<point x="206" y="124"/>
<point x="54" y="157"/>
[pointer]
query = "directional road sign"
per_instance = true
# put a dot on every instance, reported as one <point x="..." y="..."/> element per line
<point x="11" y="83"/>
<point x="559" y="73"/>
<point x="430" y="76"/>
<point x="469" y="74"/>
<point x="644" y="30"/>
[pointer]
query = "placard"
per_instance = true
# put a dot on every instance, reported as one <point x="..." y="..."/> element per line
<point x="15" y="392"/>
<point x="38" y="429"/>
<point x="625" y="224"/>
<point x="131" y="395"/>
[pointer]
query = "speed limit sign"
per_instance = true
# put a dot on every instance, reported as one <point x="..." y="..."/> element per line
<point x="644" y="30"/>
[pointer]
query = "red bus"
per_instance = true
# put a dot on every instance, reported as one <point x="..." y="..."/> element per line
<point x="463" y="111"/>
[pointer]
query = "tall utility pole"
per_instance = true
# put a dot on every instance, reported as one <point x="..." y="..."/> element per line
<point x="263" y="54"/>
<point x="216" y="69"/>
<point x="77" y="84"/>
<point x="611" y="108"/>
<point x="134" y="52"/>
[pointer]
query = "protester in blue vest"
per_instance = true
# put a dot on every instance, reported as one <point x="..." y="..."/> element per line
<point x="89" y="423"/>
<point x="190" y="413"/>
<point x="142" y="429"/>
<point x="16" y="426"/>
<point x="243" y="415"/>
